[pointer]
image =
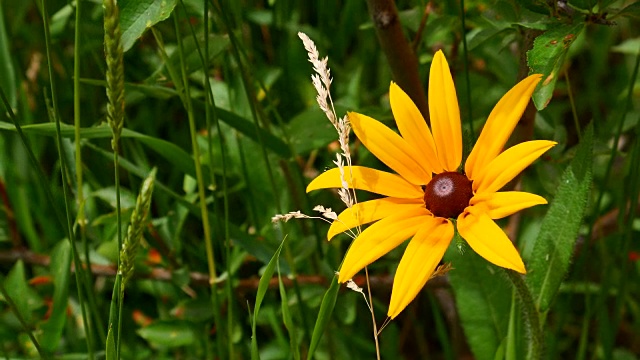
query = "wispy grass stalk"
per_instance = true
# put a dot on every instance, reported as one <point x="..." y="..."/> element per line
<point x="115" y="118"/>
<point x="79" y="273"/>
<point x="206" y="224"/>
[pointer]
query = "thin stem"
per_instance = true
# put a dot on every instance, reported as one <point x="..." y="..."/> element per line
<point x="373" y="315"/>
<point x="81" y="216"/>
<point x="466" y="70"/>
<point x="200" y="180"/>
<point x="63" y="169"/>
<point x="210" y="111"/>
<point x="248" y="87"/>
<point x="576" y="122"/>
<point x="531" y="316"/>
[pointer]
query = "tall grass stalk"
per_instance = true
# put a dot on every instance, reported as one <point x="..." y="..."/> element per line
<point x="115" y="118"/>
<point x="81" y="219"/>
<point x="79" y="273"/>
<point x="250" y="93"/>
<point x="212" y="114"/>
<point x="206" y="224"/>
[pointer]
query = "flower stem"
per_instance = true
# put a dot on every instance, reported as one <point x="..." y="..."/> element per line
<point x="531" y="315"/>
<point x="373" y="315"/>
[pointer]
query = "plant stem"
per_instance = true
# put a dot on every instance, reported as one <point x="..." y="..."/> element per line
<point x="80" y="278"/>
<point x="373" y="315"/>
<point x="206" y="225"/>
<point x="532" y="317"/>
<point x="402" y="60"/>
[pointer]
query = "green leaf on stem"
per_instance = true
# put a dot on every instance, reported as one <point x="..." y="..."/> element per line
<point x="547" y="56"/>
<point x="554" y="246"/>
<point x="136" y="16"/>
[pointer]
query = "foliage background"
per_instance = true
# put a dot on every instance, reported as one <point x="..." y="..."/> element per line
<point x="260" y="147"/>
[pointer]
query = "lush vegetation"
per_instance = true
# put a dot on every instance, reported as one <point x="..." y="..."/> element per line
<point x="142" y="161"/>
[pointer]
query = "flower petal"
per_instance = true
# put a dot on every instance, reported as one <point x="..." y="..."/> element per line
<point x="413" y="127"/>
<point x="364" y="178"/>
<point x="370" y="211"/>
<point x="488" y="240"/>
<point x="505" y="203"/>
<point x="418" y="262"/>
<point x="445" y="113"/>
<point x="390" y="148"/>
<point x="380" y="238"/>
<point x="508" y="165"/>
<point x="500" y="124"/>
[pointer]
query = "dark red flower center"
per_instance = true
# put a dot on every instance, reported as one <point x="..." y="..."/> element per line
<point x="447" y="194"/>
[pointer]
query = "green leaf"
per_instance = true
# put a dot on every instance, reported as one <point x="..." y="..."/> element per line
<point x="263" y="285"/>
<point x="555" y="243"/>
<point x="60" y="271"/>
<point x="324" y="315"/>
<point x="632" y="11"/>
<point x="311" y="130"/>
<point x="286" y="318"/>
<point x="547" y="56"/>
<point x="483" y="299"/>
<point x="168" y="333"/>
<point x="8" y="77"/>
<point x="18" y="290"/>
<point x="110" y="353"/>
<point x="217" y="44"/>
<point x="138" y="15"/>
<point x="179" y="158"/>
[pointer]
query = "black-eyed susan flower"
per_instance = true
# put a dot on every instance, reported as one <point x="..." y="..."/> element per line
<point x="429" y="190"/>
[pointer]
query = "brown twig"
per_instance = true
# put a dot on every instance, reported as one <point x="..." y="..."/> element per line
<point x="402" y="60"/>
<point x="382" y="282"/>
<point x="423" y="22"/>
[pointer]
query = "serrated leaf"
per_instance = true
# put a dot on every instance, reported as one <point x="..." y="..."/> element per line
<point x="547" y="56"/>
<point x="168" y="333"/>
<point x="136" y="16"/>
<point x="324" y="315"/>
<point x="554" y="246"/>
<point x="483" y="299"/>
<point x="60" y="271"/>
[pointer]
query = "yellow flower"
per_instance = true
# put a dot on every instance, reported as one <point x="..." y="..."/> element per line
<point x="428" y="190"/>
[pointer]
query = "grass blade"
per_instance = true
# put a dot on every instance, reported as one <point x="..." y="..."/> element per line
<point x="324" y="315"/>
<point x="263" y="285"/>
